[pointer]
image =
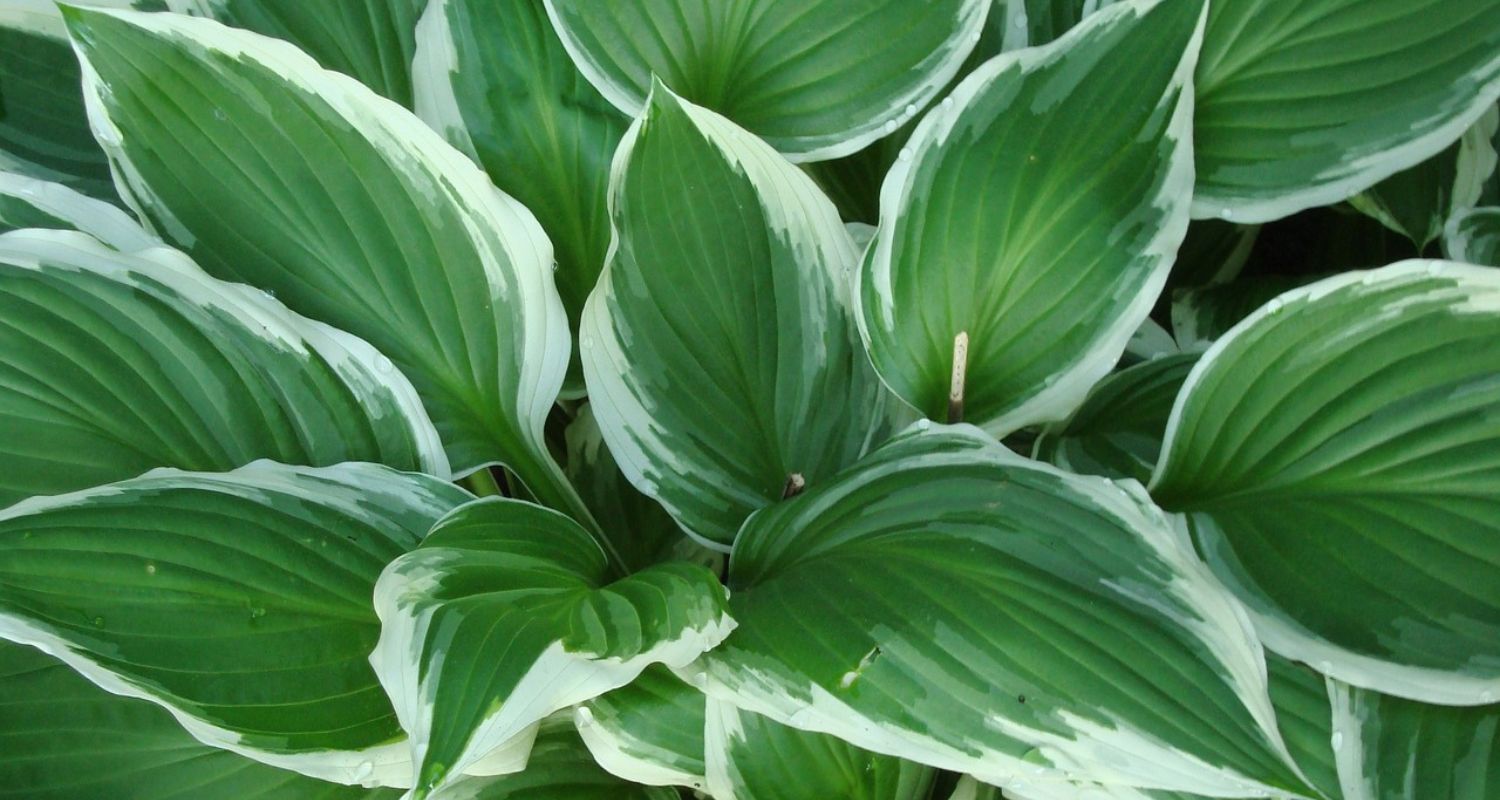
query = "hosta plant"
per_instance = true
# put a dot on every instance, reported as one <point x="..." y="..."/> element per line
<point x="750" y="399"/>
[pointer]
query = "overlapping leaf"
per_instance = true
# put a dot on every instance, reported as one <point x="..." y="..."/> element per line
<point x="1055" y="626"/>
<point x="1473" y="236"/>
<point x="719" y="349"/>
<point x="803" y="76"/>
<point x="113" y="364"/>
<point x="650" y="731"/>
<point x="272" y="565"/>
<point x="507" y="613"/>
<point x="1390" y="748"/>
<point x="1303" y="103"/>
<point x="1037" y="213"/>
<point x="270" y="170"/>
<point x="27" y="202"/>
<point x="1336" y="457"/>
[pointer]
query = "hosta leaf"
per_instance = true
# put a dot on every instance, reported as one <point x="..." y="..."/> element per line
<point x="1391" y="749"/>
<point x="1032" y="23"/>
<point x="559" y="768"/>
<point x="803" y="76"/>
<point x="27" y="202"/>
<point x="1417" y="202"/>
<point x="649" y="731"/>
<point x="719" y="350"/>
<point x="1303" y="103"/>
<point x="1305" y="717"/>
<point x="506" y="613"/>
<point x="1212" y="252"/>
<point x="63" y="738"/>
<point x="495" y="80"/>
<point x="1038" y="213"/>
<point x="272" y="565"/>
<point x="370" y="40"/>
<point x="751" y="757"/>
<point x="1348" y="430"/>
<point x="44" y="132"/>
<point x="1473" y="236"/>
<point x="1199" y="316"/>
<point x="1056" y="627"/>
<point x="641" y="530"/>
<point x="113" y="364"/>
<point x="270" y="170"/>
<point x="1117" y="431"/>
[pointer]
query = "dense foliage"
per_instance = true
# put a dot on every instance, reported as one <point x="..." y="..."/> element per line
<point x="751" y="399"/>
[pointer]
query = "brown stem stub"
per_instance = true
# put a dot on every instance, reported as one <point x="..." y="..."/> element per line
<point x="956" y="383"/>
<point x="794" y="485"/>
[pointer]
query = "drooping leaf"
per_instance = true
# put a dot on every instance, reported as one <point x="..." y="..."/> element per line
<point x="1336" y="457"/>
<point x="1117" y="431"/>
<point x="275" y="172"/>
<point x="805" y="77"/>
<point x="1202" y="315"/>
<point x="649" y="731"/>
<point x="1033" y="23"/>
<point x="1473" y="236"/>
<point x="63" y="738"/>
<point x="1391" y="749"/>
<point x="1213" y="252"/>
<point x="27" y="202"/>
<point x="44" y="132"/>
<point x="1037" y="213"/>
<point x="272" y="565"/>
<point x="558" y="768"/>
<point x="494" y="79"/>
<point x="641" y="530"/>
<point x="113" y="364"/>
<point x="1417" y="202"/>
<point x="1056" y="627"/>
<point x="719" y="348"/>
<point x="507" y="613"/>
<point x="372" y="41"/>
<point x="1303" y="103"/>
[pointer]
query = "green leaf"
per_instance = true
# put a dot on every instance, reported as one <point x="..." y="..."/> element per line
<point x="44" y="132"/>
<point x="27" y="202"/>
<point x="751" y="757"/>
<point x="1305" y="717"/>
<point x="1473" y="236"/>
<point x="62" y="738"/>
<point x="272" y="565"/>
<point x="1335" y="455"/>
<point x="649" y="731"/>
<point x="113" y="364"/>
<point x="1302" y="103"/>
<point x="1033" y="23"/>
<point x="1056" y="627"/>
<point x="719" y="348"/>
<point x="641" y="530"/>
<point x="1117" y="431"/>
<point x="495" y="80"/>
<point x="505" y="614"/>
<point x="1417" y="202"/>
<point x="1389" y="748"/>
<point x="559" y="768"/>
<point x="1037" y="213"/>
<point x="1213" y="252"/>
<point x="372" y="41"/>
<point x="1202" y="315"/>
<point x="803" y="77"/>
<point x="272" y="171"/>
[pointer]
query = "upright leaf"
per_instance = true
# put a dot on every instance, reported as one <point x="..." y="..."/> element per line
<point x="1389" y="748"/>
<point x="271" y="566"/>
<point x="1473" y="236"/>
<point x="272" y="171"/>
<point x="507" y="613"/>
<point x="1303" y="103"/>
<point x="1337" y="456"/>
<point x="1037" y="212"/>
<point x="62" y="738"/>
<point x="27" y="202"/>
<point x="802" y="76"/>
<point x="113" y="364"/>
<point x="719" y="349"/>
<point x="1055" y="627"/>
<point x="372" y="41"/>
<point x="494" y="79"/>
<point x="640" y="529"/>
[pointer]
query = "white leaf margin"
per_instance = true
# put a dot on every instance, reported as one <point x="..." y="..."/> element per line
<point x="97" y="218"/>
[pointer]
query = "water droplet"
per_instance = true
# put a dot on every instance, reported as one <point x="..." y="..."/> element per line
<point x="1435" y="269"/>
<point x="584" y="716"/>
<point x="1019" y="21"/>
<point x="220" y="115"/>
<point x="382" y="364"/>
<point x="1227" y="213"/>
<point x="587" y="341"/>
<point x="1274" y="306"/>
<point x="364" y="771"/>
<point x="554" y="266"/>
<point x="1486" y="696"/>
<point x="974" y="37"/>
<point x="924" y="424"/>
<point x="26" y="535"/>
<point x="947" y="103"/>
<point x="700" y="680"/>
<point x="98" y="622"/>
<point x="257" y="612"/>
<point x="269" y="293"/>
<point x="911" y="109"/>
<point x="1337" y="741"/>
<point x="1325" y="666"/>
<point x="109" y="136"/>
<point x="905" y="154"/>
<point x="799" y="718"/>
<point x="890" y="127"/>
<point x="150" y="568"/>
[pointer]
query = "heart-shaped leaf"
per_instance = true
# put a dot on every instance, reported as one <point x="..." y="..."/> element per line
<point x="1302" y="103"/>
<point x="802" y="76"/>
<point x="1034" y="216"/>
<point x="1335" y="455"/>
<point x="113" y="364"/>
<point x="274" y="565"/>
<point x="27" y="202"/>
<point x="1057" y="628"/>
<point x="719" y="348"/>
<point x="507" y="613"/>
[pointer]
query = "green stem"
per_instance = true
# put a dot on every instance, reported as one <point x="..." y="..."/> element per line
<point x="482" y="483"/>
